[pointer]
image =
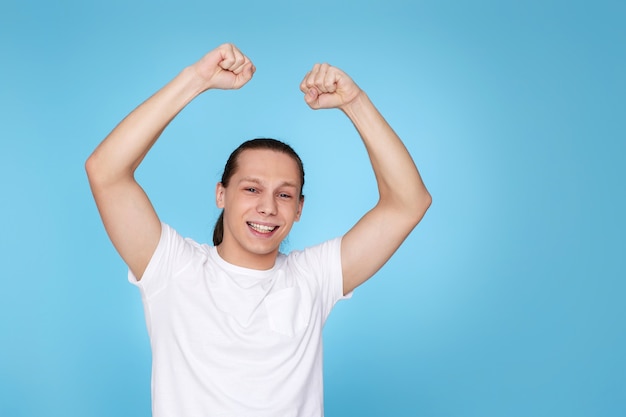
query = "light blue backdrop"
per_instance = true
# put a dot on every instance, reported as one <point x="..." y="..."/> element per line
<point x="507" y="300"/>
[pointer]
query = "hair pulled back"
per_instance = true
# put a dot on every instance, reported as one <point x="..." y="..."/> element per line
<point x="231" y="166"/>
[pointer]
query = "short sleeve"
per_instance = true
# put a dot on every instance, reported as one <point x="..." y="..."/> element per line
<point x="324" y="261"/>
<point x="171" y="255"/>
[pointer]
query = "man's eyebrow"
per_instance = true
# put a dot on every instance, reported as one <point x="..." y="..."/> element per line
<point x="250" y="179"/>
<point x="256" y="180"/>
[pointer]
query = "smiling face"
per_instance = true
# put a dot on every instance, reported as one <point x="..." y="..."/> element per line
<point x="261" y="203"/>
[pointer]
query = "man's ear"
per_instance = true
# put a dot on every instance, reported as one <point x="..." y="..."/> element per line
<point x="219" y="195"/>
<point x="300" y="207"/>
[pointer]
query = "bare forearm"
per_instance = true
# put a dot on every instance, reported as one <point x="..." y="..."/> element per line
<point x="124" y="148"/>
<point x="127" y="213"/>
<point x="399" y="182"/>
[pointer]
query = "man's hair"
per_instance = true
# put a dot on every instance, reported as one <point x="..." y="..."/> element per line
<point x="231" y="166"/>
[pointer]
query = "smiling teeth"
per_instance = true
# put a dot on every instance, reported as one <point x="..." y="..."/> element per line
<point x="261" y="228"/>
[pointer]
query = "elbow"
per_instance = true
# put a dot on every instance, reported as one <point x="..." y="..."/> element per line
<point x="90" y="166"/>
<point x="98" y="173"/>
<point x="420" y="206"/>
<point x="93" y="170"/>
<point x="101" y="173"/>
<point x="408" y="209"/>
<point x="428" y="200"/>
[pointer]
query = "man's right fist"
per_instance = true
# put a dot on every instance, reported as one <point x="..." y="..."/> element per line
<point x="225" y="68"/>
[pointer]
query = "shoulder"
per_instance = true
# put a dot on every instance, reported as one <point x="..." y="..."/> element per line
<point x="172" y="236"/>
<point x="177" y="251"/>
<point x="316" y="257"/>
<point x="329" y="246"/>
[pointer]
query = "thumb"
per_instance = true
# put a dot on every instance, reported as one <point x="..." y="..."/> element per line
<point x="249" y="71"/>
<point x="311" y="96"/>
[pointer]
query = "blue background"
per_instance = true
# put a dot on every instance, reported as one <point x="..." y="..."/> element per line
<point x="507" y="300"/>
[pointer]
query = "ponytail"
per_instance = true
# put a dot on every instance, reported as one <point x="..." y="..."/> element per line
<point x="218" y="230"/>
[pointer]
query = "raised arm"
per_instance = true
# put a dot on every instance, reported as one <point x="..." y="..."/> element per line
<point x="403" y="198"/>
<point x="128" y="216"/>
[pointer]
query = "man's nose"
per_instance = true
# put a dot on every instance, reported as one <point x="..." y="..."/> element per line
<point x="267" y="205"/>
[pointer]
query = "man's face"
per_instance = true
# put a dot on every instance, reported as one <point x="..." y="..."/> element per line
<point x="260" y="205"/>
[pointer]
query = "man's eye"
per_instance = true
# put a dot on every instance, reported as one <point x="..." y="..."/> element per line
<point x="284" y="195"/>
<point x="251" y="189"/>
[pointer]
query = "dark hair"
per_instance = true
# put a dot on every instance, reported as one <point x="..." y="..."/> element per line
<point x="231" y="167"/>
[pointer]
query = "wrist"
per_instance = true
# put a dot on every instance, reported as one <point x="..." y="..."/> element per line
<point x="193" y="81"/>
<point x="356" y="105"/>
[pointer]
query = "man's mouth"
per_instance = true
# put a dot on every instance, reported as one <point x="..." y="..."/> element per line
<point x="262" y="228"/>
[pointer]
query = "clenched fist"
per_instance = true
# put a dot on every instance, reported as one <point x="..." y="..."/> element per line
<point x="326" y="87"/>
<point x="225" y="67"/>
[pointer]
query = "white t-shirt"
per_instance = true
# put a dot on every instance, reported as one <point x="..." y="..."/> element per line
<point x="231" y="341"/>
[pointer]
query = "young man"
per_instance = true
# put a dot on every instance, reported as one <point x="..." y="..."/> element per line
<point x="235" y="328"/>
